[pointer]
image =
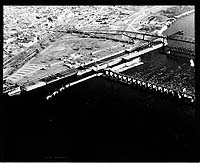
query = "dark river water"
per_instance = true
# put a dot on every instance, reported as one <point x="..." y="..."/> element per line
<point x="101" y="119"/>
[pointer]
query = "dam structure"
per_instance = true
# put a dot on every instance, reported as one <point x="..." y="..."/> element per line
<point x="119" y="61"/>
<point x="119" y="57"/>
<point x="150" y="86"/>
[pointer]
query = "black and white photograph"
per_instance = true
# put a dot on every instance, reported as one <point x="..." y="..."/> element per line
<point x="99" y="83"/>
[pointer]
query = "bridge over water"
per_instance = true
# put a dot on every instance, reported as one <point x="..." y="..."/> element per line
<point x="142" y="35"/>
<point x="128" y="34"/>
<point x="185" y="39"/>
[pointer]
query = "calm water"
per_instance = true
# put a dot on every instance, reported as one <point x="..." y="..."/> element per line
<point x="187" y="24"/>
<point x="100" y="118"/>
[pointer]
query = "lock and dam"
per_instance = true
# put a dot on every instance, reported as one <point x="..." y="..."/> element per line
<point x="121" y="61"/>
<point x="141" y="97"/>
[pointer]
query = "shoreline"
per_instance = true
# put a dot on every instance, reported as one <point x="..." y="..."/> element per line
<point x="168" y="24"/>
<point x="185" y="14"/>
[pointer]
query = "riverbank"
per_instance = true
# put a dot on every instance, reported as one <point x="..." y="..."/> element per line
<point x="168" y="24"/>
<point x="164" y="28"/>
<point x="184" y="14"/>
